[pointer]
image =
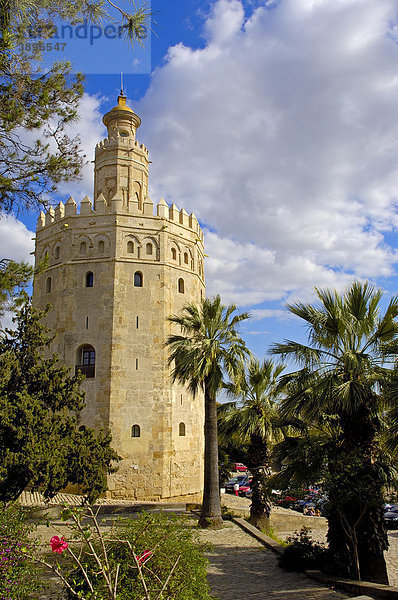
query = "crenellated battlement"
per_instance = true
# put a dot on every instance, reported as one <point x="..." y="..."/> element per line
<point x="118" y="140"/>
<point x="163" y="211"/>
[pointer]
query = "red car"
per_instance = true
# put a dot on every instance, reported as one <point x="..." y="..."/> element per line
<point x="245" y="487"/>
<point x="240" y="467"/>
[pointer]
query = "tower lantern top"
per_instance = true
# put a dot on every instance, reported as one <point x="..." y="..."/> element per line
<point x="121" y="116"/>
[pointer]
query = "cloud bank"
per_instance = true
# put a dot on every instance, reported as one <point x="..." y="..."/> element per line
<point x="282" y="135"/>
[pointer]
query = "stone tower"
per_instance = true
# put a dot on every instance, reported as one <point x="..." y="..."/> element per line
<point x="116" y="272"/>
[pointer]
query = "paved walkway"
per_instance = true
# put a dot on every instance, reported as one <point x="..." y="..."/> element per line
<point x="241" y="568"/>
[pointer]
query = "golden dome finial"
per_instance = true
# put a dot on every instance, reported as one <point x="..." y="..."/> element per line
<point x="121" y="100"/>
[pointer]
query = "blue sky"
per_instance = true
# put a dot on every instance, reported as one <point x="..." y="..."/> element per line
<point x="276" y="122"/>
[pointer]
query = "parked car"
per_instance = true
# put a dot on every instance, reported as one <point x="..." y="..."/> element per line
<point x="391" y="518"/>
<point x="240" y="467"/>
<point x="241" y="479"/>
<point x="245" y="487"/>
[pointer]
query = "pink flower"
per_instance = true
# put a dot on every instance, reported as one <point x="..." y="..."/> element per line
<point x="144" y="556"/>
<point x="58" y="544"/>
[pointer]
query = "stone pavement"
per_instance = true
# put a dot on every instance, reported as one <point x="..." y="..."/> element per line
<point x="241" y="568"/>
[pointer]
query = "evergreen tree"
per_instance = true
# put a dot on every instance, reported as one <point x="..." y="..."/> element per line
<point x="36" y="153"/>
<point x="14" y="277"/>
<point x="41" y="443"/>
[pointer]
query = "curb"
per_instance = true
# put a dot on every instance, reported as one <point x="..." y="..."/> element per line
<point x="53" y="511"/>
<point x="256" y="533"/>
<point x="377" y="590"/>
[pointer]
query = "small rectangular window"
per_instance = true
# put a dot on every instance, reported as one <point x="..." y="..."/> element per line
<point x="88" y="357"/>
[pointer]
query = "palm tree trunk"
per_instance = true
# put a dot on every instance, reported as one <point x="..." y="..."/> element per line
<point x="260" y="508"/>
<point x="210" y="516"/>
<point x="372" y="541"/>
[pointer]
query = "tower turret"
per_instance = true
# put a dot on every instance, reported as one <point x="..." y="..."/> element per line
<point x="121" y="163"/>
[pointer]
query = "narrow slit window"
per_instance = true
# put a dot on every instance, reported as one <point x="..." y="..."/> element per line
<point x="86" y="322"/>
<point x="136" y="364"/>
<point x="137" y="323"/>
<point x="135" y="431"/>
<point x="48" y="285"/>
<point x="138" y="279"/>
<point x="89" y="279"/>
<point x="181" y="286"/>
<point x="186" y="258"/>
<point x="181" y="429"/>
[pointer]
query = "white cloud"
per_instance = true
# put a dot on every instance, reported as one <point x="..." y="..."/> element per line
<point x="282" y="135"/>
<point x="15" y="240"/>
<point x="258" y="314"/>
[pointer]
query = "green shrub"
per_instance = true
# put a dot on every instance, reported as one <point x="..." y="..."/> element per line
<point x="176" y="557"/>
<point x="18" y="575"/>
<point x="302" y="552"/>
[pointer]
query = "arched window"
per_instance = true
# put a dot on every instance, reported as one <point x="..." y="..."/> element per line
<point x="130" y="247"/>
<point x="181" y="287"/>
<point x="135" y="431"/>
<point x="181" y="429"/>
<point x="89" y="279"/>
<point x="186" y="258"/>
<point x="83" y="248"/>
<point x="174" y="254"/>
<point x="149" y="249"/>
<point x="101" y="246"/>
<point x="138" y="279"/>
<point x="57" y="252"/>
<point x="48" y="285"/>
<point x="85" y="361"/>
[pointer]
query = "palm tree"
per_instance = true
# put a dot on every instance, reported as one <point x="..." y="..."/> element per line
<point x="209" y="346"/>
<point x="345" y="380"/>
<point x="254" y="422"/>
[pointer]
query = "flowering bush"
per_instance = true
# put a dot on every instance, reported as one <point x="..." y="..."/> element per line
<point x="153" y="557"/>
<point x="18" y="575"/>
<point x="58" y="544"/>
